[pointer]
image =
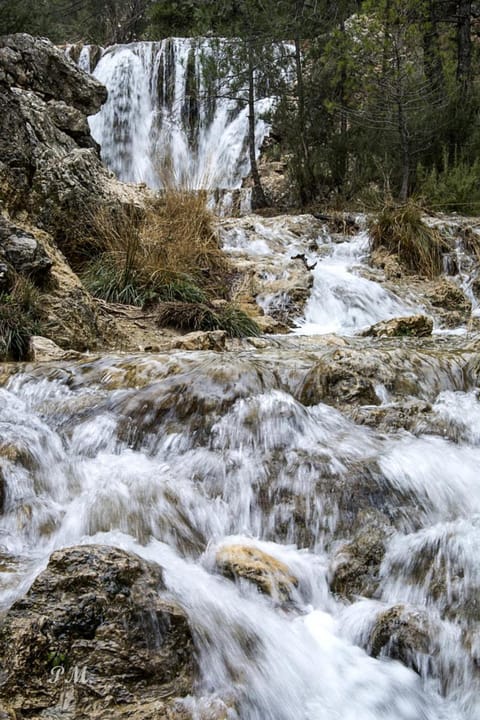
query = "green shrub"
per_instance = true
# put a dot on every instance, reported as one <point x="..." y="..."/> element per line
<point x="454" y="188"/>
<point x="401" y="230"/>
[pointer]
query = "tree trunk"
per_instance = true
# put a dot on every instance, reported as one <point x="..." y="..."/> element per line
<point x="305" y="175"/>
<point x="431" y="52"/>
<point x="258" y="196"/>
<point x="464" y="45"/>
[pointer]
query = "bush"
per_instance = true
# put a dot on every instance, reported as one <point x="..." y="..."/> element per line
<point x="454" y="188"/>
<point x="167" y="252"/>
<point x="401" y="230"/>
<point x="200" y="316"/>
<point x="19" y="319"/>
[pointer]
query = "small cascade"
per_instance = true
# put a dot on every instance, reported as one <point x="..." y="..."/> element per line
<point x="343" y="301"/>
<point x="165" y="123"/>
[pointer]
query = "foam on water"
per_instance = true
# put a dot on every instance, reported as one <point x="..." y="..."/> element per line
<point x="174" y="492"/>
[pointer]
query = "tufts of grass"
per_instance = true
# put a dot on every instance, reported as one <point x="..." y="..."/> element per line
<point x="168" y="252"/>
<point x="19" y="319"/>
<point x="200" y="316"/>
<point x="401" y="230"/>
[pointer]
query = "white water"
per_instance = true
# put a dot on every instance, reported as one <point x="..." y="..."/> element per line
<point x="165" y="123"/>
<point x="105" y="465"/>
<point x="342" y="300"/>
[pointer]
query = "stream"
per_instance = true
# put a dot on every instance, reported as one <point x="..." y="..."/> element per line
<point x="179" y="455"/>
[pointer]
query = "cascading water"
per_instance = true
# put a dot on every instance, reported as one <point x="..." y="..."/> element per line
<point x="166" y="123"/>
<point x="106" y="452"/>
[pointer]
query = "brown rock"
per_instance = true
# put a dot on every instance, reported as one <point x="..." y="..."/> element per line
<point x="42" y="349"/>
<point x="412" y="326"/>
<point x="269" y="574"/>
<point x="355" y="566"/>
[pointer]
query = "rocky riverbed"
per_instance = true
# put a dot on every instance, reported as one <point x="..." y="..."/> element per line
<point x="197" y="527"/>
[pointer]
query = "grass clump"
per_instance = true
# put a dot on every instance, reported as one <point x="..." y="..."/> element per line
<point x="401" y="230"/>
<point x="191" y="316"/>
<point x="19" y="319"/>
<point x="167" y="252"/>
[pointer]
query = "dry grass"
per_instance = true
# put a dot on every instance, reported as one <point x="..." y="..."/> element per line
<point x="168" y="251"/>
<point x="401" y="230"/>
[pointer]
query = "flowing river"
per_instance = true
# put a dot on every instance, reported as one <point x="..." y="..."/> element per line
<point x="354" y="462"/>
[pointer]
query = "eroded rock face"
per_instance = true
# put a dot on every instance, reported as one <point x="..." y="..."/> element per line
<point x="22" y="253"/>
<point x="49" y="164"/>
<point x="36" y="64"/>
<point x="95" y="635"/>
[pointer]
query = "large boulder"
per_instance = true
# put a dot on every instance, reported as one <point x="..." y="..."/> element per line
<point x="36" y="64"/>
<point x="95" y="636"/>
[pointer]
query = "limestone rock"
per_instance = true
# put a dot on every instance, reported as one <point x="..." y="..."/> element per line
<point x="450" y="302"/>
<point x="49" y="165"/>
<point x="411" y="326"/>
<point x="41" y="349"/>
<point x="36" y="64"/>
<point x="22" y="253"/>
<point x="269" y="574"/>
<point x="209" y="340"/>
<point x="95" y="636"/>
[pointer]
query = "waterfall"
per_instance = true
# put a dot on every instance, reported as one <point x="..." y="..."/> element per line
<point x="167" y="123"/>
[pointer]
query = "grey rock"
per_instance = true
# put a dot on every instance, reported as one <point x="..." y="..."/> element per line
<point x="36" y="64"/>
<point x="22" y="253"/>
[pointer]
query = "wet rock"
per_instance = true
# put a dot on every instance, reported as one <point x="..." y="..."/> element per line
<point x="209" y="340"/>
<point x="411" y="326"/>
<point x="355" y="566"/>
<point x="267" y="256"/>
<point x="412" y="415"/>
<point x="271" y="576"/>
<point x="3" y="491"/>
<point x="95" y="636"/>
<point x="337" y="381"/>
<point x="401" y="634"/>
<point x="387" y="262"/>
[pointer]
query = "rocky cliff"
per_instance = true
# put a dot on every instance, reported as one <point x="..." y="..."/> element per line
<point x="51" y="182"/>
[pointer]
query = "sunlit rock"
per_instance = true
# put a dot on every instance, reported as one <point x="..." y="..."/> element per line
<point x="270" y="575"/>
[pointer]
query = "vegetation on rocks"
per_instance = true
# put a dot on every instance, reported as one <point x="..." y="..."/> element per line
<point x="200" y="316"/>
<point x="401" y="230"/>
<point x="19" y="318"/>
<point x="167" y="251"/>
